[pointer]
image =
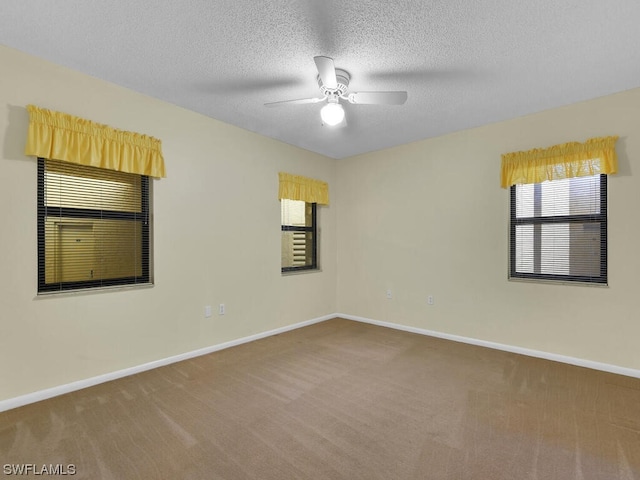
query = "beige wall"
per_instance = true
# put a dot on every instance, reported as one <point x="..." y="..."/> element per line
<point x="216" y="238"/>
<point x="429" y="218"/>
<point x="422" y="219"/>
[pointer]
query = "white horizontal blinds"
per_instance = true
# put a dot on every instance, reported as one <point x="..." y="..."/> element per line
<point x="296" y="249"/>
<point x="297" y="234"/>
<point x="300" y="245"/>
<point x="294" y="213"/>
<point x="559" y="228"/>
<point x="93" y="227"/>
<point x="69" y="185"/>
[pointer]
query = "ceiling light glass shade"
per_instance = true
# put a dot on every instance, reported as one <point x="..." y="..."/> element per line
<point x="332" y="113"/>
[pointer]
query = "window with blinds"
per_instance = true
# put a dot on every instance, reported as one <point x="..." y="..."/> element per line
<point x="559" y="230"/>
<point x="299" y="249"/>
<point x="93" y="227"/>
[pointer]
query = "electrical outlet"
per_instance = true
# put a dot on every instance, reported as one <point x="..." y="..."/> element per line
<point x="430" y="299"/>
<point x="207" y="311"/>
<point x="389" y="294"/>
<point x="221" y="309"/>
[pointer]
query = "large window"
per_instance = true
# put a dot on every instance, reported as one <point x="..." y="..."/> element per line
<point x="559" y="230"/>
<point x="299" y="235"/>
<point x="93" y="227"/>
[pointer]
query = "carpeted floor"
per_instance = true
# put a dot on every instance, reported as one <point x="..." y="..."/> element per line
<point x="339" y="400"/>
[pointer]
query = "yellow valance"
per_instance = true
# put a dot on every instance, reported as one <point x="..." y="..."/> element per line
<point x="295" y="187"/>
<point x="568" y="160"/>
<point x="59" y="136"/>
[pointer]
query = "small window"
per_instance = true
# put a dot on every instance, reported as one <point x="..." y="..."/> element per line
<point x="93" y="227"/>
<point x="559" y="230"/>
<point x="299" y="235"/>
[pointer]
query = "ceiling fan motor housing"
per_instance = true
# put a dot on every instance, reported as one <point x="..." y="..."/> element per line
<point x="342" y="78"/>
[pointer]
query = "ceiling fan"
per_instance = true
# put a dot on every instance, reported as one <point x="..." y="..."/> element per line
<point x="334" y="85"/>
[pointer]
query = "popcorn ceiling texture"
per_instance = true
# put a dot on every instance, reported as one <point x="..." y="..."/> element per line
<point x="464" y="63"/>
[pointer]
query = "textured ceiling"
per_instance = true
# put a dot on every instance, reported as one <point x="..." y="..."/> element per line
<point x="464" y="63"/>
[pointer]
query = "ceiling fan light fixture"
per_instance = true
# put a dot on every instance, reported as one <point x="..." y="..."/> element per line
<point x="332" y="114"/>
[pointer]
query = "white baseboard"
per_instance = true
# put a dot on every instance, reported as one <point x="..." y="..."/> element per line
<point x="605" y="367"/>
<point x="107" y="377"/>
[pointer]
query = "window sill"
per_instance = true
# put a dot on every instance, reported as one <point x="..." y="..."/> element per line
<point x="557" y="282"/>
<point x="93" y="290"/>
<point x="300" y="272"/>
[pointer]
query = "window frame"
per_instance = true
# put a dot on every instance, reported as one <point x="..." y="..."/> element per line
<point x="43" y="212"/>
<point x="313" y="229"/>
<point x="588" y="218"/>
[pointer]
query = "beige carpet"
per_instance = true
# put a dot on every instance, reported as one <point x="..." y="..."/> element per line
<point x="340" y="400"/>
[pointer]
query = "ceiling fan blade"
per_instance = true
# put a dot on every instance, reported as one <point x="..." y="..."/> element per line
<point x="327" y="71"/>
<point x="300" y="101"/>
<point x="378" y="98"/>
